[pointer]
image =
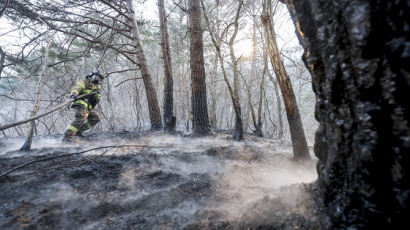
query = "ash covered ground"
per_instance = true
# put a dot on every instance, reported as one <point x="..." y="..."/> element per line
<point x="156" y="181"/>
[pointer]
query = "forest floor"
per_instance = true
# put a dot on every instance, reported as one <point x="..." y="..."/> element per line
<point x="156" y="181"/>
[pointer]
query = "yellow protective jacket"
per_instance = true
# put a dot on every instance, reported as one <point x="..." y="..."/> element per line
<point x="86" y="87"/>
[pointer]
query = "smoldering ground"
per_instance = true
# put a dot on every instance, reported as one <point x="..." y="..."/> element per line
<point x="157" y="181"/>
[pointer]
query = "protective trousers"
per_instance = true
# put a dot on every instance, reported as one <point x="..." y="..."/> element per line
<point x="84" y="120"/>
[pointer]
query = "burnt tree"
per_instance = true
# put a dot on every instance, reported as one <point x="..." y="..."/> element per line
<point x="299" y="143"/>
<point x="358" y="54"/>
<point x="168" y="117"/>
<point x="153" y="107"/>
<point x="198" y="85"/>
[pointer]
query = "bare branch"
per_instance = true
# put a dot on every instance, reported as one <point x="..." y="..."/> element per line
<point x="135" y="78"/>
<point x="4" y="8"/>
<point x="185" y="10"/>
<point x="65" y="155"/>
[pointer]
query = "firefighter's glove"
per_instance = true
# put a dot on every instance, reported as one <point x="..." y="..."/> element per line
<point x="68" y="107"/>
<point x="74" y="97"/>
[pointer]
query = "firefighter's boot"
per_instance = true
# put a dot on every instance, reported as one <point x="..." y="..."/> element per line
<point x="80" y="117"/>
<point x="80" y="134"/>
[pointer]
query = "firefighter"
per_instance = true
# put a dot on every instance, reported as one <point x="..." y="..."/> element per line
<point x="85" y="116"/>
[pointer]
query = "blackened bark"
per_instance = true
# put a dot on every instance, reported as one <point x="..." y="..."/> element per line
<point x="300" y="148"/>
<point x="359" y="58"/>
<point x="169" y="119"/>
<point x="153" y="107"/>
<point x="198" y="85"/>
<point x="2" y="57"/>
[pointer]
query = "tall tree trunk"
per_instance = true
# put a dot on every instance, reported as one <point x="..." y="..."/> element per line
<point x="278" y="102"/>
<point x="359" y="60"/>
<point x="29" y="140"/>
<point x="261" y="95"/>
<point x="169" y="118"/>
<point x="238" y="134"/>
<point x="300" y="148"/>
<point x="252" y="110"/>
<point x="214" y="93"/>
<point x="233" y="91"/>
<point x="111" y="119"/>
<point x="154" y="111"/>
<point x="2" y="58"/>
<point x="198" y="85"/>
<point x="257" y="121"/>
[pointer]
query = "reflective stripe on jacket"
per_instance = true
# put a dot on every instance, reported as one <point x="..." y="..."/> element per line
<point x="86" y="87"/>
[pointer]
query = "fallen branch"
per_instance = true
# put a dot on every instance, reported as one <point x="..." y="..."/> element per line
<point x="182" y="191"/>
<point x="41" y="115"/>
<point x="65" y="155"/>
<point x="53" y="168"/>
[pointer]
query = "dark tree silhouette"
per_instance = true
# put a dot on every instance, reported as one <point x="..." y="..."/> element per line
<point x="169" y="119"/>
<point x="358" y="54"/>
<point x="198" y="85"/>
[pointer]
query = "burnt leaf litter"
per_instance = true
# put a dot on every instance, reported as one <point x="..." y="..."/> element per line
<point x="159" y="181"/>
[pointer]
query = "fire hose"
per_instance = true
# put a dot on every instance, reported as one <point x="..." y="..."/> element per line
<point x="6" y="126"/>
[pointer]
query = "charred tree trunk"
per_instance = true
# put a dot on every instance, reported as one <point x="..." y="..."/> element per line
<point x="2" y="58"/>
<point x="154" y="111"/>
<point x="300" y="148"/>
<point x="359" y="59"/>
<point x="169" y="118"/>
<point x="198" y="85"/>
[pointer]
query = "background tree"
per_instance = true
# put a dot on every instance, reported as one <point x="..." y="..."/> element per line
<point x="238" y="134"/>
<point x="29" y="140"/>
<point x="155" y="115"/>
<point x="300" y="148"/>
<point x="169" y="119"/>
<point x="217" y="40"/>
<point x="198" y="85"/>
<point x="97" y="34"/>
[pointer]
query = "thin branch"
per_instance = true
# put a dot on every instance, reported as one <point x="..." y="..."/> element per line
<point x="185" y="10"/>
<point x="108" y="3"/>
<point x="135" y="78"/>
<point x="20" y="99"/>
<point x="65" y="155"/>
<point x="4" y="8"/>
<point x="120" y="71"/>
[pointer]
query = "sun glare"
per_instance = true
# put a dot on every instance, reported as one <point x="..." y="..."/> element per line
<point x="244" y="49"/>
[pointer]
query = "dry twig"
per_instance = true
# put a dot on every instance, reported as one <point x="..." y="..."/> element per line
<point x="65" y="155"/>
